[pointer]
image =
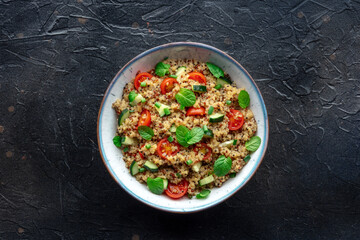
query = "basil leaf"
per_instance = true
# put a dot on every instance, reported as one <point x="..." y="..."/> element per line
<point x="253" y="144"/>
<point x="195" y="135"/>
<point x="117" y="140"/>
<point x="161" y="69"/>
<point x="155" y="185"/>
<point x="185" y="97"/>
<point x="215" y="70"/>
<point x="145" y="132"/>
<point x="203" y="194"/>
<point x="244" y="99"/>
<point x="181" y="133"/>
<point x="222" y="166"/>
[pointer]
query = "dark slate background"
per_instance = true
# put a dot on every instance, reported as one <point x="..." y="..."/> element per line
<point x="58" y="57"/>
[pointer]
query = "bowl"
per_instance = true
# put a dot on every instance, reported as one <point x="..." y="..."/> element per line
<point x="107" y="124"/>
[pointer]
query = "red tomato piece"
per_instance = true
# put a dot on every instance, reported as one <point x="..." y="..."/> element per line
<point x="164" y="148"/>
<point x="140" y="78"/>
<point x="197" y="77"/>
<point x="167" y="85"/>
<point x="178" y="190"/>
<point x="236" y="119"/>
<point x="145" y="118"/>
<point x="204" y="148"/>
<point x="195" y="111"/>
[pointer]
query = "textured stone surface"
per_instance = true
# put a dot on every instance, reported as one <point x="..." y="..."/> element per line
<point x="57" y="58"/>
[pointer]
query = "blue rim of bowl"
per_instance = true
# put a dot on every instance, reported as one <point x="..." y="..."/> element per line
<point x="245" y="180"/>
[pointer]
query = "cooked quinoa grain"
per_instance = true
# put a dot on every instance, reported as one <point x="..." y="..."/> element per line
<point x="173" y="166"/>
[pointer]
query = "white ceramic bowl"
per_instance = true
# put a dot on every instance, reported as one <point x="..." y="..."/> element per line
<point x="106" y="125"/>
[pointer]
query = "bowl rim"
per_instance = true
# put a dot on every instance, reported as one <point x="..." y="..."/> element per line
<point x="228" y="195"/>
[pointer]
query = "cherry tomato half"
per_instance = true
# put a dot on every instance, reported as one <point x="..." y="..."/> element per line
<point x="203" y="148"/>
<point x="167" y="85"/>
<point x="236" y="119"/>
<point x="140" y="78"/>
<point x="145" y="118"/>
<point x="178" y="190"/>
<point x="197" y="77"/>
<point x="195" y="111"/>
<point x="164" y="148"/>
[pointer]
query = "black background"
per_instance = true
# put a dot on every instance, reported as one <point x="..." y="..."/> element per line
<point x="58" y="57"/>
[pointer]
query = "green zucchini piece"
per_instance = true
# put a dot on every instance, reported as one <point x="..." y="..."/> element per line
<point x="151" y="166"/>
<point x="217" y="117"/>
<point x="123" y="115"/>
<point x="206" y="180"/>
<point x="199" y="88"/>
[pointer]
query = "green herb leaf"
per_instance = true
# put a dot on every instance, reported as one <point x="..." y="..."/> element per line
<point x="117" y="140"/>
<point x="215" y="70"/>
<point x="142" y="170"/>
<point x="195" y="135"/>
<point x="161" y="69"/>
<point x="126" y="149"/>
<point x="181" y="133"/>
<point x="211" y="110"/>
<point x="222" y="166"/>
<point x="218" y="86"/>
<point x="132" y="96"/>
<point x="232" y="175"/>
<point x="178" y="175"/>
<point x="253" y="144"/>
<point x="148" y="146"/>
<point x="185" y="97"/>
<point x="145" y="132"/>
<point x="170" y="139"/>
<point x="244" y="99"/>
<point x="247" y="158"/>
<point x="155" y="185"/>
<point x="188" y="162"/>
<point x="173" y="76"/>
<point x="203" y="194"/>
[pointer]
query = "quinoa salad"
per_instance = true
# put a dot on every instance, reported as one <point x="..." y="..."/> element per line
<point x="184" y="128"/>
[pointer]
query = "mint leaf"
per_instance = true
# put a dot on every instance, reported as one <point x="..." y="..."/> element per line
<point x="215" y="70"/>
<point x="185" y="97"/>
<point x="117" y="140"/>
<point x="253" y="144"/>
<point x="145" y="132"/>
<point x="161" y="69"/>
<point x="244" y="99"/>
<point x="203" y="194"/>
<point x="195" y="135"/>
<point x="222" y="166"/>
<point x="155" y="185"/>
<point x="132" y="96"/>
<point x="181" y="133"/>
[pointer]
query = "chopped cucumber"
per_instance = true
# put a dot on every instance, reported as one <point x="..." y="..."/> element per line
<point x="222" y="81"/>
<point x="151" y="166"/>
<point x="206" y="180"/>
<point x="134" y="168"/>
<point x="166" y="182"/>
<point x="180" y="71"/>
<point x="172" y="128"/>
<point x="196" y="167"/>
<point x="217" y="117"/>
<point x="136" y="100"/>
<point x="162" y="109"/>
<point x="208" y="133"/>
<point x="227" y="143"/>
<point x="123" y="115"/>
<point x="199" y="88"/>
<point x="130" y="141"/>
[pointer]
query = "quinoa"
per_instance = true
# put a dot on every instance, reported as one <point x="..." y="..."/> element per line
<point x="175" y="168"/>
